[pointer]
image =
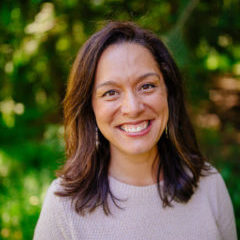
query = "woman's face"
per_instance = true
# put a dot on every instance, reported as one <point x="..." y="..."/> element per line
<point x="130" y="99"/>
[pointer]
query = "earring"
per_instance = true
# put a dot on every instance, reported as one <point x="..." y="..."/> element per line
<point x="166" y="131"/>
<point x="97" y="138"/>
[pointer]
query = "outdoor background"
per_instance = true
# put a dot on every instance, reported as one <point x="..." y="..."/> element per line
<point x="38" y="43"/>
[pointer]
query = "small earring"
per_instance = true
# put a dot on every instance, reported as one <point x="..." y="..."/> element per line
<point x="97" y="138"/>
<point x="166" y="131"/>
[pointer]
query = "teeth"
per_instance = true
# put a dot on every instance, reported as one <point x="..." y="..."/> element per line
<point x="135" y="128"/>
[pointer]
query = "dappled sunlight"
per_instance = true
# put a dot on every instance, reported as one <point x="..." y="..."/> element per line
<point x="44" y="20"/>
<point x="36" y="31"/>
<point x="78" y="32"/>
<point x="228" y="83"/>
<point x="54" y="132"/>
<point x="236" y="69"/>
<point x="224" y="40"/>
<point x="8" y="67"/>
<point x="9" y="108"/>
<point x="212" y="61"/>
<point x="216" y="61"/>
<point x="4" y="164"/>
<point x="203" y="48"/>
<point x="5" y="232"/>
<point x="63" y="44"/>
<point x="41" y="97"/>
<point x="30" y="183"/>
<point x="224" y="100"/>
<point x="20" y="206"/>
<point x="30" y="46"/>
<point x="34" y="200"/>
<point x="208" y="121"/>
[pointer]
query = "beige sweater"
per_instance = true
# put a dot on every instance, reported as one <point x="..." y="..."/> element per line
<point x="207" y="216"/>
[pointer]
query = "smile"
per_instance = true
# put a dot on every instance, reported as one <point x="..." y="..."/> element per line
<point x="131" y="128"/>
<point x="136" y="127"/>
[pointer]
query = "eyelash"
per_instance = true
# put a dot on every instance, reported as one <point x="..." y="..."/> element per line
<point x="108" y="93"/>
<point x="148" y="84"/>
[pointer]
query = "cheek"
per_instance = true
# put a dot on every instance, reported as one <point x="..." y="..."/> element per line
<point x="159" y="105"/>
<point x="103" y="112"/>
<point x="163" y="111"/>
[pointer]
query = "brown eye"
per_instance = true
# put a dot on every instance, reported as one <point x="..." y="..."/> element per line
<point x="148" y="86"/>
<point x="110" y="93"/>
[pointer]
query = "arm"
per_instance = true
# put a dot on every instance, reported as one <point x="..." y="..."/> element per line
<point x="52" y="223"/>
<point x="225" y="214"/>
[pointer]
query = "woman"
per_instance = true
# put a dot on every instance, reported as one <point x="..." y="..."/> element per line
<point x="133" y="169"/>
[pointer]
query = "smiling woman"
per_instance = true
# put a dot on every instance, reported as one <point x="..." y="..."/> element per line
<point x="133" y="169"/>
<point x="130" y="106"/>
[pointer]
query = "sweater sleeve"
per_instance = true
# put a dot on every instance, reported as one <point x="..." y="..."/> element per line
<point x="52" y="223"/>
<point x="225" y="214"/>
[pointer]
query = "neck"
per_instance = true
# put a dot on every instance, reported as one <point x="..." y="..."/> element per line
<point x="137" y="169"/>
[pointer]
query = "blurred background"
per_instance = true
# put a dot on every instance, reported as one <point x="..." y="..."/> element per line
<point x="38" y="43"/>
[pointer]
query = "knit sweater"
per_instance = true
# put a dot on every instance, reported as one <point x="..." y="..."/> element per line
<point x="208" y="215"/>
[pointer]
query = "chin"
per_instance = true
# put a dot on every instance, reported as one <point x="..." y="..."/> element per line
<point x="138" y="150"/>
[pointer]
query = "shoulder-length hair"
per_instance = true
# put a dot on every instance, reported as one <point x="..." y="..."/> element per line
<point x="85" y="173"/>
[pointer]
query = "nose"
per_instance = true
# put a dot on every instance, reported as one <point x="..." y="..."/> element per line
<point x="132" y="105"/>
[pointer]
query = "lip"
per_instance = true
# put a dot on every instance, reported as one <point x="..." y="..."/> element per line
<point x="137" y="134"/>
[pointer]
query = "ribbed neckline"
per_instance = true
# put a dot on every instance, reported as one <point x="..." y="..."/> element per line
<point x="124" y="188"/>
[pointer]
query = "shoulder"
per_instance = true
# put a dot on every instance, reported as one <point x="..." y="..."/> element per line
<point x="55" y="185"/>
<point x="56" y="208"/>
<point x="54" y="201"/>
<point x="213" y="187"/>
<point x="53" y="220"/>
<point x="211" y="182"/>
<point x="211" y="178"/>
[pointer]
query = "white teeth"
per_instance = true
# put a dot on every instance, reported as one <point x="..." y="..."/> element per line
<point x="135" y="128"/>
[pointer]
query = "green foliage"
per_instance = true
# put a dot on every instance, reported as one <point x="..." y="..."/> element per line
<point x="38" y="43"/>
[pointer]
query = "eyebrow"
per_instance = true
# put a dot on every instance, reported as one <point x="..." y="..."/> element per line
<point x="139" y="79"/>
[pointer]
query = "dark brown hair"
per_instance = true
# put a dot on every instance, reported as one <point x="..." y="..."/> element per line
<point x="85" y="173"/>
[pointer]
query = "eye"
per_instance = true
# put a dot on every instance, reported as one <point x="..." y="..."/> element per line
<point x="148" y="86"/>
<point x="110" y="93"/>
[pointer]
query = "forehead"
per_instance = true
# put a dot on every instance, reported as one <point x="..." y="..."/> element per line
<point x="126" y="60"/>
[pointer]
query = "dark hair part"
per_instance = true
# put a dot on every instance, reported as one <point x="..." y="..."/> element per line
<point x="85" y="173"/>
